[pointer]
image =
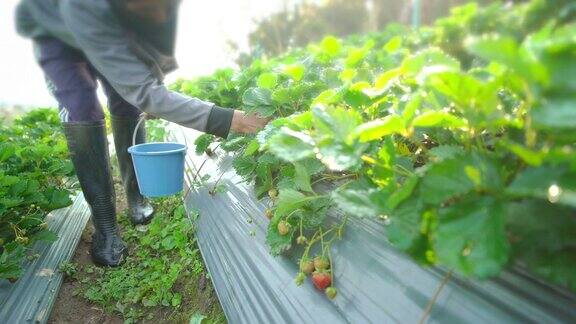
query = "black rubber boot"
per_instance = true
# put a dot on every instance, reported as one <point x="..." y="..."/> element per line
<point x="141" y="211"/>
<point x="88" y="148"/>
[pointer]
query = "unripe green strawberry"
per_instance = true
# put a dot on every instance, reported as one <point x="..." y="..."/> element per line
<point x="283" y="228"/>
<point x="299" y="280"/>
<point x="273" y="193"/>
<point x="301" y="240"/>
<point x="321" y="263"/>
<point x="331" y="292"/>
<point x="306" y="266"/>
<point x="21" y="240"/>
<point x="269" y="214"/>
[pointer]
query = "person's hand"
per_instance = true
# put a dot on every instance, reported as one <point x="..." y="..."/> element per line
<point x="247" y="123"/>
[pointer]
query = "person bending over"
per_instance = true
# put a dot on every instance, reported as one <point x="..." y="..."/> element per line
<point x="128" y="45"/>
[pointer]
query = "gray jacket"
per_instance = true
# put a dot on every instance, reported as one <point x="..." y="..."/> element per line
<point x="133" y="66"/>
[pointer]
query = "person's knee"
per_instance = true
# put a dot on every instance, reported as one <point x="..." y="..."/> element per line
<point x="79" y="105"/>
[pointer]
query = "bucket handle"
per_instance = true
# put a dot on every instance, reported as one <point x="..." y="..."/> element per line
<point x="142" y="118"/>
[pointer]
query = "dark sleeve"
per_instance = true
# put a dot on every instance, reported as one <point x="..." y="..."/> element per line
<point x="219" y="121"/>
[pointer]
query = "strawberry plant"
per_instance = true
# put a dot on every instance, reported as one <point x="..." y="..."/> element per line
<point x="163" y="277"/>
<point x="33" y="181"/>
<point x="459" y="136"/>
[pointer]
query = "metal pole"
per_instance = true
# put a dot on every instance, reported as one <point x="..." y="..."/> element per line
<point x="416" y="7"/>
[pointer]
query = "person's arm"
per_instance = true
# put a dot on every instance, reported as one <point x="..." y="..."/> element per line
<point x="103" y="40"/>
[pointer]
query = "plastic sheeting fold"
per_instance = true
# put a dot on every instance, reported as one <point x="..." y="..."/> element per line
<point x="376" y="282"/>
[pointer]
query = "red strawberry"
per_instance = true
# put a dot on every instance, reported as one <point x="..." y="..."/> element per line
<point x="321" y="279"/>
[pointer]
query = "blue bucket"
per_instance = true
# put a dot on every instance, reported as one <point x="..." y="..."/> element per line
<point x="159" y="168"/>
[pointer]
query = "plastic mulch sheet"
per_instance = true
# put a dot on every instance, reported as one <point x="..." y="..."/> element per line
<point x="30" y="299"/>
<point x="376" y="283"/>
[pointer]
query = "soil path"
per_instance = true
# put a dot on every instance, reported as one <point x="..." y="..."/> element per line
<point x="70" y="306"/>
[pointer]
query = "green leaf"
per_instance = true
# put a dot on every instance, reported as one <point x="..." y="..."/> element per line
<point x="530" y="157"/>
<point x="313" y="214"/>
<point x="56" y="199"/>
<point x="555" y="114"/>
<point x="197" y="318"/>
<point x="475" y="99"/>
<point x="263" y="181"/>
<point x="555" y="184"/>
<point x="234" y="143"/>
<point x="403" y="192"/>
<point x="9" y="202"/>
<point x="7" y="181"/>
<point x="251" y="148"/>
<point x="290" y="145"/>
<point x="444" y="152"/>
<point x="267" y="80"/>
<point x="338" y="156"/>
<point x="505" y="50"/>
<point x="6" y="151"/>
<point x="10" y="261"/>
<point x="290" y="200"/>
<point x="282" y="96"/>
<point x="438" y="119"/>
<point x="404" y="227"/>
<point x="452" y="177"/>
<point x="335" y="122"/>
<point x="278" y="243"/>
<point x="244" y="165"/>
<point x="302" y="177"/>
<point x="376" y="129"/>
<point x="295" y="71"/>
<point x="356" y="56"/>
<point x="430" y="58"/>
<point x="331" y="45"/>
<point x="168" y="243"/>
<point x="203" y="142"/>
<point x="544" y="247"/>
<point x="394" y="44"/>
<point x="45" y="235"/>
<point x="471" y="237"/>
<point x="259" y="100"/>
<point x="347" y="75"/>
<point x="176" y="300"/>
<point x="329" y="96"/>
<point x="357" y="202"/>
<point x="383" y="83"/>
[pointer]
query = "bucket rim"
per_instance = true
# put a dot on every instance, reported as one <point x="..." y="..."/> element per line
<point x="132" y="148"/>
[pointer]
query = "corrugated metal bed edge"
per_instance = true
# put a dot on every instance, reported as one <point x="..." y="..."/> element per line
<point x="378" y="285"/>
<point x="31" y="298"/>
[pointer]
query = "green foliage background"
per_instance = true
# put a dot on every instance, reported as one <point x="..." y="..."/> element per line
<point x="34" y="174"/>
<point x="460" y="135"/>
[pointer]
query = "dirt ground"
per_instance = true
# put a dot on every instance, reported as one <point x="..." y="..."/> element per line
<point x="71" y="307"/>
